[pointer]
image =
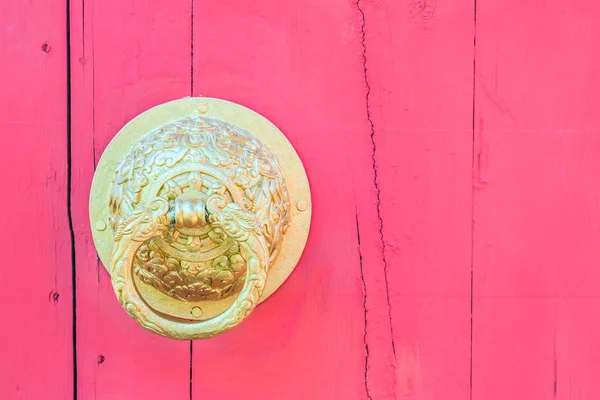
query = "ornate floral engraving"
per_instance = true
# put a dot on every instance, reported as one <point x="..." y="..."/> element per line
<point x="227" y="219"/>
<point x="228" y="167"/>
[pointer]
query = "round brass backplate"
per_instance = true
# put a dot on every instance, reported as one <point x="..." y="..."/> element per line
<point x="147" y="122"/>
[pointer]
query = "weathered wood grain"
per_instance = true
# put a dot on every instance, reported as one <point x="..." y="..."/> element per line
<point x="300" y="63"/>
<point x="126" y="58"/>
<point x="36" y="310"/>
<point x="419" y="65"/>
<point x="412" y="190"/>
<point x="536" y="252"/>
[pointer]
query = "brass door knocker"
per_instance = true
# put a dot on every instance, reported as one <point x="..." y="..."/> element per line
<point x="200" y="208"/>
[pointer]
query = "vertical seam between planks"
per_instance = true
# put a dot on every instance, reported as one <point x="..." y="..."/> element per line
<point x="69" y="197"/>
<point x="375" y="175"/>
<point x="192" y="48"/>
<point x="362" y="276"/>
<point x="473" y="166"/>
<point x="191" y="94"/>
<point x="95" y="160"/>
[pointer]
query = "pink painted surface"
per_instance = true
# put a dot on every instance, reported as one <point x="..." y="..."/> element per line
<point x="537" y="213"/>
<point x="125" y="58"/>
<point x="455" y="176"/>
<point x="308" y="340"/>
<point x="36" y="339"/>
<point x="420" y="69"/>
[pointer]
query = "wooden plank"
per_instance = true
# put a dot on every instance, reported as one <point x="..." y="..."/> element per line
<point x="35" y="289"/>
<point x="126" y="58"/>
<point x="536" y="210"/>
<point x="300" y="64"/>
<point x="419" y="65"/>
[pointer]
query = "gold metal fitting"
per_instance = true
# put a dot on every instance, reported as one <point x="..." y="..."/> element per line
<point x="189" y="213"/>
<point x="207" y="210"/>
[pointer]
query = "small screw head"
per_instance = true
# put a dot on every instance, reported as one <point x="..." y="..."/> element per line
<point x="100" y="225"/>
<point x="301" y="205"/>
<point x="196" y="311"/>
<point x="203" y="108"/>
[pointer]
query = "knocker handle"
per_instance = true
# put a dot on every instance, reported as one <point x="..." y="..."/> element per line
<point x="189" y="213"/>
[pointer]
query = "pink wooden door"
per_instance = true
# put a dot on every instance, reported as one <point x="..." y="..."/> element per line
<point x="453" y="151"/>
